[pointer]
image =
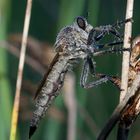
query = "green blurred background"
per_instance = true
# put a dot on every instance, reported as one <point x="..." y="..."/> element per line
<point x="94" y="105"/>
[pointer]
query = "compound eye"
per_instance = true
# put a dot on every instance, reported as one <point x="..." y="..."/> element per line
<point x="81" y="23"/>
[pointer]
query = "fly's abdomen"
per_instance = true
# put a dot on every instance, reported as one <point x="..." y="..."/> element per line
<point x="49" y="91"/>
<point x="43" y="101"/>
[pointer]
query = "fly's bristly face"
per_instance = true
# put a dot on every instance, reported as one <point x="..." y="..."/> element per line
<point x="72" y="40"/>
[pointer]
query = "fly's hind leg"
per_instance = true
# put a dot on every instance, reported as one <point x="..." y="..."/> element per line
<point x="89" y="67"/>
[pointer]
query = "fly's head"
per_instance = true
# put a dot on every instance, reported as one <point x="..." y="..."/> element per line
<point x="72" y="40"/>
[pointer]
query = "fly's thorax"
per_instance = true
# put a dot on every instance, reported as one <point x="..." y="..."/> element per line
<point x="73" y="39"/>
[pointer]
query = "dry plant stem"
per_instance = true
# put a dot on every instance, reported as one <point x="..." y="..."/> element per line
<point x="20" y="72"/>
<point x="119" y="109"/>
<point x="70" y="102"/>
<point x="125" y="62"/>
<point x="126" y="55"/>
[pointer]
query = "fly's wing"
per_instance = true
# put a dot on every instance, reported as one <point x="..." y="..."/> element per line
<point x="46" y="74"/>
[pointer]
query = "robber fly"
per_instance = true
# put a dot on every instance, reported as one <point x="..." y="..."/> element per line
<point x="74" y="42"/>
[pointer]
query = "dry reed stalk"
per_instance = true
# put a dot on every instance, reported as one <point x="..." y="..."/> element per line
<point x="15" y="112"/>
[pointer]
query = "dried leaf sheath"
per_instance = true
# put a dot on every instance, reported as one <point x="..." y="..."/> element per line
<point x="128" y="110"/>
<point x="132" y="111"/>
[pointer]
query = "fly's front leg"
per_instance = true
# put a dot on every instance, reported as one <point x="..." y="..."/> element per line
<point x="112" y="28"/>
<point x="103" y="30"/>
<point x="102" y="78"/>
<point x="106" y="30"/>
<point x="92" y="38"/>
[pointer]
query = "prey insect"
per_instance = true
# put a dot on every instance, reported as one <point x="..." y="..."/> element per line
<point x="74" y="42"/>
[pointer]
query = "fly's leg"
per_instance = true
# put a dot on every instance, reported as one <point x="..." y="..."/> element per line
<point x="111" y="29"/>
<point x="98" y="33"/>
<point x="112" y="44"/>
<point x="93" y="38"/>
<point x="89" y="66"/>
<point x="111" y="49"/>
<point x="103" y="30"/>
<point x="106" y="30"/>
<point x="92" y="65"/>
<point x="122" y="22"/>
<point x="113" y="79"/>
